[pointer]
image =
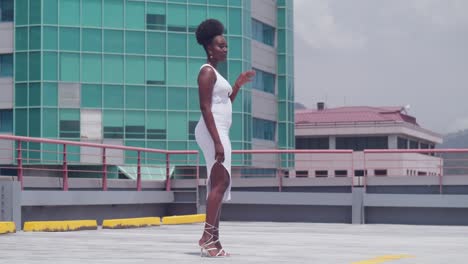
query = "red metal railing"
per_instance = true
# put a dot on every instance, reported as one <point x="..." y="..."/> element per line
<point x="279" y="168"/>
<point x="103" y="155"/>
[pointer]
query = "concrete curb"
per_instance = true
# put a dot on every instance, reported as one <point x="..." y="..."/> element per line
<point x="60" y="226"/>
<point x="131" y="222"/>
<point x="184" y="219"/>
<point x="7" y="227"/>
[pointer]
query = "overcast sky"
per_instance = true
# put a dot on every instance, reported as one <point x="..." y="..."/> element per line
<point x="385" y="53"/>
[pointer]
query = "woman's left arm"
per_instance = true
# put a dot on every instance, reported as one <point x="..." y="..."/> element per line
<point x="243" y="78"/>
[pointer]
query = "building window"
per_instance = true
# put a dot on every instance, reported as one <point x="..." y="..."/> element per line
<point x="264" y="129"/>
<point x="113" y="132"/>
<point x="361" y="143"/>
<point x="70" y="128"/>
<point x="156" y="70"/>
<point x="6" y="121"/>
<point x="302" y="174"/>
<point x="359" y="173"/>
<point x="264" y="81"/>
<point x="134" y="131"/>
<point x="380" y="172"/>
<point x="155" y="22"/>
<point x="402" y="143"/>
<point x="263" y="33"/>
<point x="6" y="10"/>
<point x="6" y="65"/>
<point x="341" y="173"/>
<point x="413" y="144"/>
<point x="156" y="133"/>
<point x="312" y="143"/>
<point x="191" y="129"/>
<point x="321" y="173"/>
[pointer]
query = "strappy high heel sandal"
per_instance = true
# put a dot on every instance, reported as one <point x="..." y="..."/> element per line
<point x="221" y="252"/>
<point x="209" y="245"/>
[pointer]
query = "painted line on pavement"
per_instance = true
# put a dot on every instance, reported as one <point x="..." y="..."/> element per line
<point x="7" y="227"/>
<point x="60" y="226"/>
<point x="184" y="219"/>
<point x="382" y="259"/>
<point x="131" y="222"/>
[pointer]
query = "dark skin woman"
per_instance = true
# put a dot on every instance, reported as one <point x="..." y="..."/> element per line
<point x="209" y="35"/>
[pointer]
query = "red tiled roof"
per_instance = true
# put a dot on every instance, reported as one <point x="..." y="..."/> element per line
<point x="354" y="114"/>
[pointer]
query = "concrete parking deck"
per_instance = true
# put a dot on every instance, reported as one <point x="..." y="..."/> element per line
<point x="249" y="242"/>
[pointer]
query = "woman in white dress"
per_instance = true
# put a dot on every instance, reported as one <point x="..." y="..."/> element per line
<point x="212" y="131"/>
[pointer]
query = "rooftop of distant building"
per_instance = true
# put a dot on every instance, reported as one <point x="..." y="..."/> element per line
<point x="354" y="114"/>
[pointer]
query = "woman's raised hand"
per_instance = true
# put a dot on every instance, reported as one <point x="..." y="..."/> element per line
<point x="244" y="78"/>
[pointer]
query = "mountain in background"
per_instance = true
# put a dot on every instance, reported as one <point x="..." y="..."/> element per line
<point x="455" y="140"/>
<point x="299" y="106"/>
<point x="455" y="163"/>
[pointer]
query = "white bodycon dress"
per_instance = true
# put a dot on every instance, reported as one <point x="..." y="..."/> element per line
<point x="221" y="108"/>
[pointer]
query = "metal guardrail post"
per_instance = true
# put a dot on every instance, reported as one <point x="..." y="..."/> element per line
<point x="279" y="173"/>
<point x="139" y="171"/>
<point x="168" y="173"/>
<point x="366" y="173"/>
<point x="440" y="175"/>
<point x="197" y="177"/>
<point x="65" y="168"/>
<point x="352" y="171"/>
<point x="19" y="159"/>
<point x="104" y="170"/>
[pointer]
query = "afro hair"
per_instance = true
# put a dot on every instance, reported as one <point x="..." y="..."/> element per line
<point x="207" y="30"/>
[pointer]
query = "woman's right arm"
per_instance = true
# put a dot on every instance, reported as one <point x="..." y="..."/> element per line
<point x="206" y="81"/>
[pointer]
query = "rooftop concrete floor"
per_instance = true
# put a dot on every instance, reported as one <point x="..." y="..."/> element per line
<point x="248" y="242"/>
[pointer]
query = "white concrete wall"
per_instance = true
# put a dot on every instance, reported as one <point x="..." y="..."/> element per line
<point x="6" y="39"/>
<point x="264" y="105"/>
<point x="91" y="124"/>
<point x="396" y="164"/>
<point x="6" y="151"/>
<point x="6" y="83"/>
<point x="264" y="57"/>
<point x="6" y="92"/>
<point x="264" y="11"/>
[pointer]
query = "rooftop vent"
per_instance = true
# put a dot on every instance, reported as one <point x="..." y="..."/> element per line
<point x="320" y="106"/>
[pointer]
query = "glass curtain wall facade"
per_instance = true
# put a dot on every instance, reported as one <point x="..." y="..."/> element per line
<point x="125" y="71"/>
<point x="285" y="49"/>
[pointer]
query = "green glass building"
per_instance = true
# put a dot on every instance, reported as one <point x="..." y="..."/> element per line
<point x="124" y="71"/>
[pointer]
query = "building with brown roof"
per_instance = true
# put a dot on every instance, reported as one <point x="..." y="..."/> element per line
<point x="358" y="128"/>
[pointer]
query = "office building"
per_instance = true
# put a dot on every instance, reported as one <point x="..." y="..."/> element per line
<point x="124" y="72"/>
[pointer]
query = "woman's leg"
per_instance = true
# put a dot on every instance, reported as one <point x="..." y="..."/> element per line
<point x="218" y="217"/>
<point x="219" y="184"/>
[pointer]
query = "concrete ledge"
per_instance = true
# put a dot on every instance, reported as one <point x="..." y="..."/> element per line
<point x="54" y="198"/>
<point x="416" y="200"/>
<point x="7" y="227"/>
<point x="60" y="226"/>
<point x="183" y="219"/>
<point x="291" y="198"/>
<point x="131" y="222"/>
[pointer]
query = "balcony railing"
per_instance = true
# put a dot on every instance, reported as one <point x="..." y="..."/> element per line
<point x="110" y="166"/>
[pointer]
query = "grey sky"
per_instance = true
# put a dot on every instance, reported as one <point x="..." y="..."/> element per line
<point x="385" y="53"/>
